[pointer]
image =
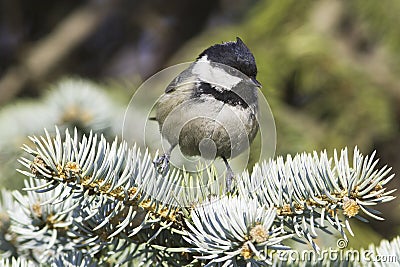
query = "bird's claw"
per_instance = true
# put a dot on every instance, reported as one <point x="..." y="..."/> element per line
<point x="162" y="164"/>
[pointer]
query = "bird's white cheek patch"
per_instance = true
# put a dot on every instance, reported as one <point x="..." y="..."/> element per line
<point x="215" y="75"/>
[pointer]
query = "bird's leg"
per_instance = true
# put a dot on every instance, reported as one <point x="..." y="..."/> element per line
<point x="162" y="162"/>
<point x="229" y="175"/>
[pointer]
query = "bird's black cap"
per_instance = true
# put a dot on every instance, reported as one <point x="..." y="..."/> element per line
<point x="234" y="54"/>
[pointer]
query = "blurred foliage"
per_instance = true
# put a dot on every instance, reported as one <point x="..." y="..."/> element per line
<point x="320" y="99"/>
<point x="71" y="103"/>
<point x="328" y="68"/>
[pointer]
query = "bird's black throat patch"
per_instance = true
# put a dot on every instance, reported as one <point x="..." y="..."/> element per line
<point x="226" y="96"/>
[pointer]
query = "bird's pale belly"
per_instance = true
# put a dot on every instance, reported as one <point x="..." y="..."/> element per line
<point x="210" y="128"/>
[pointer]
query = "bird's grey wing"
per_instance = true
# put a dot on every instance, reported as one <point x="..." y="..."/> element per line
<point x="179" y="80"/>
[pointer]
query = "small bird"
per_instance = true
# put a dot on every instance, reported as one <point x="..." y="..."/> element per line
<point x="210" y="109"/>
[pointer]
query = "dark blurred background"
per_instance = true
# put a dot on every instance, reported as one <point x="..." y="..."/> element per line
<point x="329" y="69"/>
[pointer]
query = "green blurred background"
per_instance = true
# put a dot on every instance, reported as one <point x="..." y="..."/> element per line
<point x="329" y="70"/>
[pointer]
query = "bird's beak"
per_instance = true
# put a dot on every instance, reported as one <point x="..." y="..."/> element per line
<point x="256" y="83"/>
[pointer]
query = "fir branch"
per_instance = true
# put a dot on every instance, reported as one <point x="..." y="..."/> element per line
<point x="70" y="103"/>
<point x="16" y="262"/>
<point x="74" y="259"/>
<point x="81" y="104"/>
<point x="95" y="169"/>
<point x="40" y="225"/>
<point x="386" y="254"/>
<point x="309" y="190"/>
<point x="118" y="191"/>
<point x="8" y="243"/>
<point x="118" y="202"/>
<point x="233" y="231"/>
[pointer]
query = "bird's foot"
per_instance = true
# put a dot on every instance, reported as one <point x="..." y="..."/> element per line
<point x="230" y="176"/>
<point x="162" y="164"/>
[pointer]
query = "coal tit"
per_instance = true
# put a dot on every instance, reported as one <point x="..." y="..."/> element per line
<point x="210" y="109"/>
